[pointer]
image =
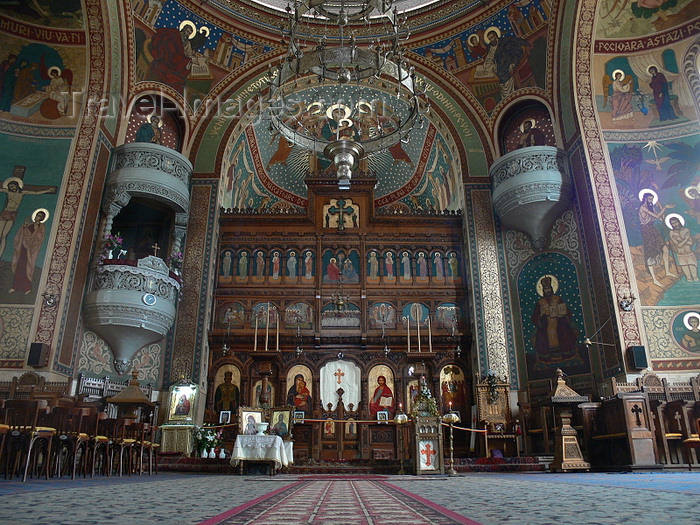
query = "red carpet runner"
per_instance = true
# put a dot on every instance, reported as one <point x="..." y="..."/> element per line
<point x="341" y="502"/>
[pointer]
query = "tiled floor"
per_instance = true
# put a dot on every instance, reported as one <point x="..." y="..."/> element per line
<point x="173" y="498"/>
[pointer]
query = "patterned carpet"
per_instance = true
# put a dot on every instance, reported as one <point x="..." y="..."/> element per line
<point x="671" y="498"/>
<point x="346" y="501"/>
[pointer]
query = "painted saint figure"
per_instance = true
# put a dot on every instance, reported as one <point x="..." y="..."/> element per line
<point x="406" y="265"/>
<point x="227" y="395"/>
<point x="280" y="427"/>
<point x="15" y="190"/>
<point x="621" y="97"/>
<point x="662" y="95"/>
<point x="691" y="339"/>
<point x="653" y="244"/>
<point x="292" y="264"/>
<point x="555" y="337"/>
<point x="183" y="406"/>
<point x="373" y="265"/>
<point x="149" y="131"/>
<point x="243" y="265"/>
<point x="308" y="266"/>
<point x="681" y="242"/>
<point x="382" y="399"/>
<point x="531" y="136"/>
<point x="298" y="395"/>
<point x="28" y="242"/>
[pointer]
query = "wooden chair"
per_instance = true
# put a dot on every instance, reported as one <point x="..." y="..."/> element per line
<point x="27" y="440"/>
<point x="123" y="439"/>
<point x="692" y="443"/>
<point x="68" y="440"/>
<point x="100" y="444"/>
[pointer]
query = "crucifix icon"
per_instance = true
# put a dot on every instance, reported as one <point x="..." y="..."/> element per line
<point x="340" y="209"/>
<point x="428" y="452"/>
<point x="636" y="411"/>
<point x="339" y="374"/>
<point x="155" y="249"/>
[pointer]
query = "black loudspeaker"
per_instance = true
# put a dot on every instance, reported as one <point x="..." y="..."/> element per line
<point x="38" y="355"/>
<point x="638" y="357"/>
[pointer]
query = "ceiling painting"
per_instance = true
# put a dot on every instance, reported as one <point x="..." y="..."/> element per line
<point x="180" y="49"/>
<point x="500" y="54"/>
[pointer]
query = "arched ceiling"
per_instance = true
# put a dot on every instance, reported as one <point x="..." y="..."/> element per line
<point x="464" y="103"/>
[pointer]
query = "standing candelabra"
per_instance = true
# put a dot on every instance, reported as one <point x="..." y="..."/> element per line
<point x="451" y="418"/>
<point x="400" y="419"/>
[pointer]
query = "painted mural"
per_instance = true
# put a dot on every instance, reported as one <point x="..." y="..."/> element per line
<point x="263" y="171"/>
<point x="644" y="91"/>
<point x="552" y="317"/>
<point x="53" y="13"/>
<point x="634" y="18"/>
<point x="180" y="49"/>
<point x="28" y="197"/>
<point x="499" y="55"/>
<point x="658" y="184"/>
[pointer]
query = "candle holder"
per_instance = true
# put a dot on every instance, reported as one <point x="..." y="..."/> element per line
<point x="400" y="419"/>
<point x="451" y="418"/>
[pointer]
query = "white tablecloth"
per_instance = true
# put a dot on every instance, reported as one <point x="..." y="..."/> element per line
<point x="262" y="448"/>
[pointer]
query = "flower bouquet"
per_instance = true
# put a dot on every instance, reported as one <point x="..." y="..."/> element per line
<point x="175" y="261"/>
<point x="111" y="245"/>
<point x="206" y="438"/>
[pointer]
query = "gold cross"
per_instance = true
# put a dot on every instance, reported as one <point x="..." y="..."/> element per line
<point x="155" y="249"/>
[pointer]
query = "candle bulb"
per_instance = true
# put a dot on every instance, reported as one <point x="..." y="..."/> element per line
<point x="267" y="326"/>
<point x="400" y="407"/>
<point x="408" y="331"/>
<point x="450" y="406"/>
<point x="419" y="318"/>
<point x="255" y="344"/>
<point x="430" y="336"/>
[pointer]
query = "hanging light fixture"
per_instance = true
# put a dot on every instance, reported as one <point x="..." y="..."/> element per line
<point x="339" y="95"/>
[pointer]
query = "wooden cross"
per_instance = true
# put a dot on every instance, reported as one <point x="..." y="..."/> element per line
<point x="155" y="249"/>
<point x="341" y="210"/>
<point x="428" y="452"/>
<point x="339" y="374"/>
<point x="636" y="411"/>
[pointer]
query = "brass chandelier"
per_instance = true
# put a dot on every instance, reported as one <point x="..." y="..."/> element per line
<point x="340" y="94"/>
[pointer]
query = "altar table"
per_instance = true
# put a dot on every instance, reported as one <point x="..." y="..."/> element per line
<point x="262" y="448"/>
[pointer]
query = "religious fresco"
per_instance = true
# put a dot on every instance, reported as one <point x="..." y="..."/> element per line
<point x="453" y="390"/>
<point x="552" y="317"/>
<point x="380" y="391"/>
<point x="28" y="198"/>
<point x="300" y="388"/>
<point x="299" y="314"/>
<point x="635" y="18"/>
<point x="230" y="315"/>
<point x="382" y="316"/>
<point x="148" y="122"/>
<point x="262" y="171"/>
<point x="180" y="49"/>
<point x="530" y="127"/>
<point x="500" y="54"/>
<point x="658" y="185"/>
<point x="643" y="91"/>
<point x="686" y="331"/>
<point x="447" y="317"/>
<point x="347" y="316"/>
<point x="227" y="393"/>
<point x="50" y="13"/>
<point x="41" y="82"/>
<point x="339" y="265"/>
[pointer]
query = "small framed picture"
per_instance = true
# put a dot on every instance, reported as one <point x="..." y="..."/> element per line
<point x="224" y="417"/>
<point x="329" y="428"/>
<point x="299" y="417"/>
<point x="383" y="416"/>
<point x="281" y="422"/>
<point x="183" y="400"/>
<point x="248" y="417"/>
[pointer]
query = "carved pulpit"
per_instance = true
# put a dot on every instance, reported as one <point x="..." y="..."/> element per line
<point x="567" y="452"/>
